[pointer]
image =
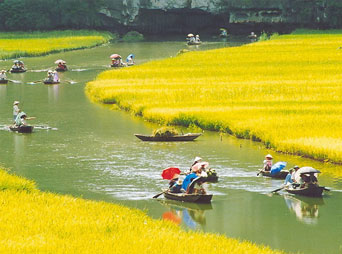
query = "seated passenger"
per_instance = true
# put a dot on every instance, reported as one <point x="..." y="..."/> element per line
<point x="3" y="75"/>
<point x="188" y="179"/>
<point x="177" y="187"/>
<point x="50" y="76"/>
<point x="288" y="179"/>
<point x="55" y="77"/>
<point x="197" y="39"/>
<point x="268" y="162"/>
<point x="21" y="119"/>
<point x="130" y="60"/>
<point x="15" y="66"/>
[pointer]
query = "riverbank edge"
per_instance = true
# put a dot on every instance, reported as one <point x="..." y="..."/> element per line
<point x="42" y="222"/>
<point x="106" y="38"/>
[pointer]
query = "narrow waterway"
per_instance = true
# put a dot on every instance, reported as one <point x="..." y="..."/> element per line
<point x="85" y="149"/>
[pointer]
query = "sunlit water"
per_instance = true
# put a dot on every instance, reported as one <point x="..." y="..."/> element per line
<point x="87" y="150"/>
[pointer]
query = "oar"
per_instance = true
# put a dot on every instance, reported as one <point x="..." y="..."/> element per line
<point x="14" y="81"/>
<point x="326" y="189"/>
<point x="276" y="190"/>
<point x="155" y="196"/>
<point x="35" y="82"/>
<point x="259" y="172"/>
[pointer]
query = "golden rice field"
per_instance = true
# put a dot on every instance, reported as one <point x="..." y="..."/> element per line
<point x="286" y="92"/>
<point x="13" y="45"/>
<point x="37" y="222"/>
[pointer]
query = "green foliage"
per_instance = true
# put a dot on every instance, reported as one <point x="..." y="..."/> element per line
<point x="133" y="36"/>
<point x="49" y="14"/>
<point x="263" y="37"/>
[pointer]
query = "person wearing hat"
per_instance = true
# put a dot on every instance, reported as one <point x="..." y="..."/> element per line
<point x="197" y="39"/>
<point x="49" y="76"/>
<point x="21" y="119"/>
<point x="288" y="179"/>
<point x="177" y="187"/>
<point x="268" y="162"/>
<point x="55" y="77"/>
<point x="16" y="110"/>
<point x="196" y="160"/>
<point x="3" y="75"/>
<point x="293" y="177"/>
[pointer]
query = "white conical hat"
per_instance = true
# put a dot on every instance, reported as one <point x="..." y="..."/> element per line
<point x="269" y="156"/>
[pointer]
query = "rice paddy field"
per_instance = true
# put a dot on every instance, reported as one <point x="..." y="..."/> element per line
<point x="285" y="92"/>
<point x="38" y="222"/>
<point x="21" y="44"/>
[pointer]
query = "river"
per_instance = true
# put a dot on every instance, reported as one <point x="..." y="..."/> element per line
<point x="87" y="150"/>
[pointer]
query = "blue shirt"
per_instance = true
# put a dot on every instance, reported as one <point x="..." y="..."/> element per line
<point x="288" y="179"/>
<point x="188" y="180"/>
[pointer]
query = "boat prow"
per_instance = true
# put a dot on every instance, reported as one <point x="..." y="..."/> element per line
<point x="3" y="81"/>
<point x="185" y="137"/>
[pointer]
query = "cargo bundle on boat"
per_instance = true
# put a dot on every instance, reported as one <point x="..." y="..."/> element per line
<point x="168" y="134"/>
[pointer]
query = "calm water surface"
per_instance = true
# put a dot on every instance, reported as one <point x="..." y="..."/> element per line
<point x="87" y="150"/>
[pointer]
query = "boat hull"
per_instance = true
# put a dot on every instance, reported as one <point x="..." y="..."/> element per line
<point x="18" y="71"/>
<point x="193" y="198"/>
<point x="194" y="43"/>
<point x="22" y="129"/>
<point x="50" y="83"/>
<point x="186" y="137"/>
<point x="313" y="191"/>
<point x="61" y="69"/>
<point x="281" y="175"/>
<point x="4" y="81"/>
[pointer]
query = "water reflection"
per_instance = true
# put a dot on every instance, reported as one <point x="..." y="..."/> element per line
<point x="192" y="215"/>
<point x="53" y="93"/>
<point x="3" y="90"/>
<point x="306" y="209"/>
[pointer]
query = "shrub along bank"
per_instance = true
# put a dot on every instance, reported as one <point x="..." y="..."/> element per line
<point x="38" y="222"/>
<point x="285" y="91"/>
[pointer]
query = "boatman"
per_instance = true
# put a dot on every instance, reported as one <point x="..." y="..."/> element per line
<point x="3" y="75"/>
<point x="16" y="110"/>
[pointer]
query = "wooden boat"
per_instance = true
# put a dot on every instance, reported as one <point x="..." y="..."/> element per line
<point x="17" y="70"/>
<point x="190" y="196"/>
<point x="194" y="198"/>
<point x="211" y="179"/>
<point x="194" y="43"/>
<point x="280" y="175"/>
<point x="3" y="81"/>
<point x="61" y="69"/>
<point x="312" y="190"/>
<point x="22" y="129"/>
<point x="185" y="137"/>
<point x="46" y="82"/>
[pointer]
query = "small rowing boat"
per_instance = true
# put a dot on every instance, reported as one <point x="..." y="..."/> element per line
<point x="185" y="137"/>
<point x="61" y="69"/>
<point x="17" y="70"/>
<point x="46" y="82"/>
<point x="194" y="43"/>
<point x="22" y="129"/>
<point x="280" y="175"/>
<point x="311" y="190"/>
<point x="3" y="81"/>
<point x="194" y="198"/>
<point x="192" y="194"/>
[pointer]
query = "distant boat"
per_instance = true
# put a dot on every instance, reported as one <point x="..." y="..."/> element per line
<point x="280" y="175"/>
<point x="17" y="70"/>
<point x="46" y="82"/>
<point x="194" y="42"/>
<point x="22" y="129"/>
<point x="185" y="137"/>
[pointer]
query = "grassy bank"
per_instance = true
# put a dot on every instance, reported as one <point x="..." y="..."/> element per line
<point x="37" y="222"/>
<point x="20" y="44"/>
<point x="285" y="92"/>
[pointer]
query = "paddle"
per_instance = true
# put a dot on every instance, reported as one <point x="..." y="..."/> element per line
<point x="155" y="196"/>
<point x="14" y="81"/>
<point x="35" y="82"/>
<point x="276" y="190"/>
